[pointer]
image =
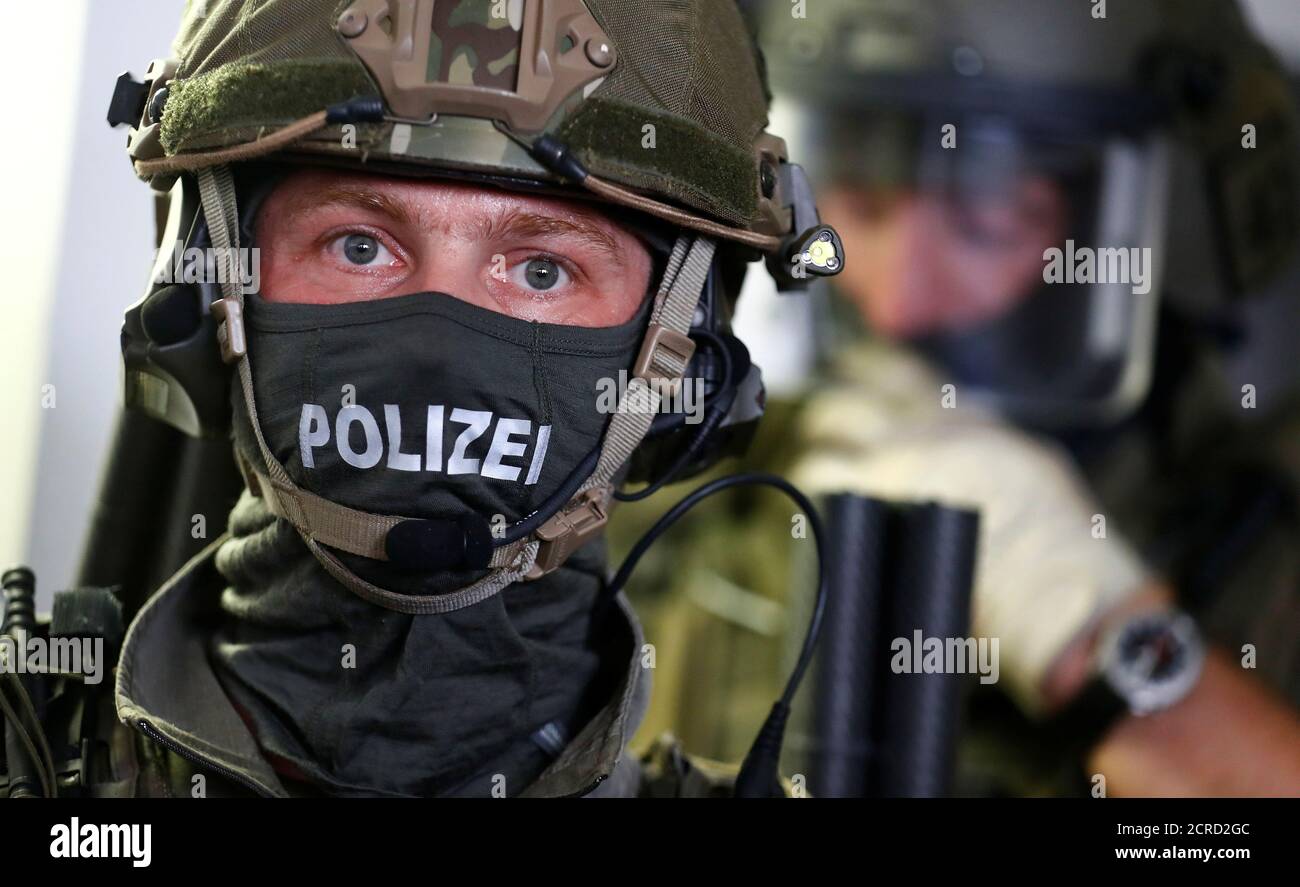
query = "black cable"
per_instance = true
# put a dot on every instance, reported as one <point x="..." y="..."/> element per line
<point x="557" y="500"/>
<point x="362" y="109"/>
<point x="27" y="750"/>
<point x="717" y="411"/>
<point x="553" y="503"/>
<point x="564" y="493"/>
<point x="712" y="338"/>
<point x="758" y="775"/>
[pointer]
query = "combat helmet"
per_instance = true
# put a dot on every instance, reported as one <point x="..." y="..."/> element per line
<point x="656" y="108"/>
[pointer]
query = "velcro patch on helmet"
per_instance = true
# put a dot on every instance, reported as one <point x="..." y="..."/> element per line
<point x="676" y="156"/>
<point x="239" y="96"/>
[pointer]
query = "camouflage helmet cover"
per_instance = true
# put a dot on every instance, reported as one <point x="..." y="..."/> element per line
<point x="665" y="98"/>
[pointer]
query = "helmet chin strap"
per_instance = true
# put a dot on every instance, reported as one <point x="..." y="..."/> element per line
<point x="665" y="353"/>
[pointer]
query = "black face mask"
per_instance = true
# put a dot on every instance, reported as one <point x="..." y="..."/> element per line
<point x="429" y="407"/>
<point x="426" y="406"/>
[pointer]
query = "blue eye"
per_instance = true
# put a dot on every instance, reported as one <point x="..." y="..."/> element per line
<point x="360" y="249"/>
<point x="541" y="274"/>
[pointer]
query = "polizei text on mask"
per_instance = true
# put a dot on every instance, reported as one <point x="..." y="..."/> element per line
<point x="481" y="442"/>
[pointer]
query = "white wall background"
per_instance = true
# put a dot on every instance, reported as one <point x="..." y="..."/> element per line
<point x="1278" y="22"/>
<point x="75" y="243"/>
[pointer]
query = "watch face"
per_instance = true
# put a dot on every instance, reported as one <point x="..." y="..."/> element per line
<point x="1154" y="661"/>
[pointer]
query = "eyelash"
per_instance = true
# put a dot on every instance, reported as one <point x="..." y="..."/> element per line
<point x="568" y="266"/>
<point x="332" y="237"/>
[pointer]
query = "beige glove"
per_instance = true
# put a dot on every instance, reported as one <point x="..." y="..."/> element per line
<point x="1042" y="577"/>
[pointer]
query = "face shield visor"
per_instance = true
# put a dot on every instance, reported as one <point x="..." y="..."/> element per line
<point x="1026" y="264"/>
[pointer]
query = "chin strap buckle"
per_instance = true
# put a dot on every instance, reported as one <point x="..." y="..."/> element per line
<point x="569" y="529"/>
<point x="231" y="332"/>
<point x="664" y="356"/>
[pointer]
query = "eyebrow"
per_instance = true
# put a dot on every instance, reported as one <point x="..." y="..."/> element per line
<point x="527" y="223"/>
<point x="514" y="224"/>
<point x="364" y="199"/>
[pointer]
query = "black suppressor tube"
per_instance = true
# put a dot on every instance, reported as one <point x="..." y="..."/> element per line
<point x="894" y="570"/>
<point x="919" y="714"/>
<point x="850" y="646"/>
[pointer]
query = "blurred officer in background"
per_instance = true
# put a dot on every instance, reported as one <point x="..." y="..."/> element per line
<point x="1046" y="208"/>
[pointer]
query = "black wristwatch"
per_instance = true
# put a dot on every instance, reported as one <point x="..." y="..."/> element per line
<point x="1144" y="665"/>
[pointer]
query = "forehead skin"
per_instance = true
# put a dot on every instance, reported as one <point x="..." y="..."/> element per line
<point x="467" y="241"/>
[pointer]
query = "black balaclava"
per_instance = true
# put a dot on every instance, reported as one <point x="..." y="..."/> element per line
<point x="425" y="406"/>
<point x="435" y="705"/>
